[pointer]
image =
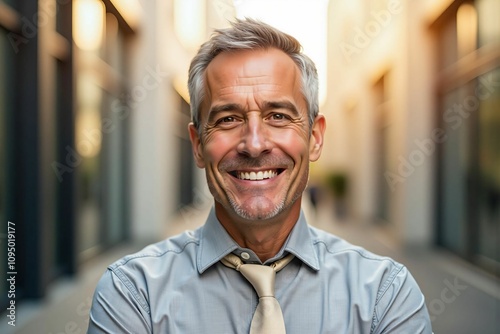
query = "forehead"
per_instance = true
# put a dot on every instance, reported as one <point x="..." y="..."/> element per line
<point x="251" y="71"/>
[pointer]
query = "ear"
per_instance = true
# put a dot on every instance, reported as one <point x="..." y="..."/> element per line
<point x="196" y="145"/>
<point x="317" y="136"/>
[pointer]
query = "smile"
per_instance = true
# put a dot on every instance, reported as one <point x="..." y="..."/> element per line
<point x="257" y="176"/>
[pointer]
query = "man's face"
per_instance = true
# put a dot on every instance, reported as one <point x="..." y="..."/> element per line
<point x="254" y="139"/>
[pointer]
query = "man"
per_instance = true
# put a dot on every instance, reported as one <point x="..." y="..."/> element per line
<point x="255" y="128"/>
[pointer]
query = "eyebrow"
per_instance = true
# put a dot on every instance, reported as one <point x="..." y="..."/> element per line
<point x="223" y="107"/>
<point x="266" y="105"/>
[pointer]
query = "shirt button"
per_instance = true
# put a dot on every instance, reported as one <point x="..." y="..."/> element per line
<point x="245" y="255"/>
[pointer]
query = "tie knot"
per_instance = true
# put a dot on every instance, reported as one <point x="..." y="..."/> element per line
<point x="260" y="276"/>
<point x="233" y="261"/>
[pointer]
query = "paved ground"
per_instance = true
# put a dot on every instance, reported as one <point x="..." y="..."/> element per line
<point x="460" y="298"/>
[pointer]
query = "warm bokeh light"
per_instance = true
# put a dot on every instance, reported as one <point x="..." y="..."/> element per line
<point x="180" y="85"/>
<point x="88" y="132"/>
<point x="305" y="20"/>
<point x="466" y="29"/>
<point x="190" y="22"/>
<point x="88" y="24"/>
<point x="130" y="10"/>
<point x="88" y="136"/>
<point x="112" y="27"/>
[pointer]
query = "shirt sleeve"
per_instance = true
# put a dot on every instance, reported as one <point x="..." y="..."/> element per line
<point x="117" y="307"/>
<point x="400" y="307"/>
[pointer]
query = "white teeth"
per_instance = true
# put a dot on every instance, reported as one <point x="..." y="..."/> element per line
<point x="268" y="174"/>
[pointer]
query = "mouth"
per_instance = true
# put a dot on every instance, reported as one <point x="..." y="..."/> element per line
<point x="257" y="175"/>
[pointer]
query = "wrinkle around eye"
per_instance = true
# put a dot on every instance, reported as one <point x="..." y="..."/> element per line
<point x="226" y="122"/>
<point x="278" y="119"/>
<point x="284" y="120"/>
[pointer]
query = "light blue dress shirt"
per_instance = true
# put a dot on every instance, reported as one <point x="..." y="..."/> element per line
<point x="331" y="286"/>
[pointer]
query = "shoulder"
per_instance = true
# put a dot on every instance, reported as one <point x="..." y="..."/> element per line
<point x="334" y="253"/>
<point x="159" y="257"/>
<point x="386" y="287"/>
<point x="131" y="280"/>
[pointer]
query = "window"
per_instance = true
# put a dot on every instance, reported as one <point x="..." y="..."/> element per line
<point x="101" y="127"/>
<point x="487" y="210"/>
<point x="469" y="95"/>
<point x="35" y="82"/>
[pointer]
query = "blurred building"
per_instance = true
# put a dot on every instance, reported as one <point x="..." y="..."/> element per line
<point x="94" y="148"/>
<point x="414" y="106"/>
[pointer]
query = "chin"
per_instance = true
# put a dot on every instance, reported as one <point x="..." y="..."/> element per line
<point x="257" y="212"/>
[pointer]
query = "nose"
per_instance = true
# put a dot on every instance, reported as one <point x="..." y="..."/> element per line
<point x="255" y="138"/>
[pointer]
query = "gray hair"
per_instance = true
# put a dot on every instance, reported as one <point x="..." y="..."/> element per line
<point x="250" y="34"/>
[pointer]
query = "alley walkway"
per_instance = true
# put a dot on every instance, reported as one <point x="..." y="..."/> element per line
<point x="461" y="298"/>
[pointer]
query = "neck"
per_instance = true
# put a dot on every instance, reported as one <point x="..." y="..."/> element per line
<point x="264" y="237"/>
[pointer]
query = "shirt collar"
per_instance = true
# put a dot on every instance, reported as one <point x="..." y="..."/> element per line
<point x="300" y="243"/>
<point x="215" y="243"/>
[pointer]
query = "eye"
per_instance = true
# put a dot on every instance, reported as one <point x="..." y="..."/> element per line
<point x="227" y="122"/>
<point x="278" y="119"/>
<point x="227" y="119"/>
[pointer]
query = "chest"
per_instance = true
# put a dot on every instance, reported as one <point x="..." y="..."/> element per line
<point x="222" y="301"/>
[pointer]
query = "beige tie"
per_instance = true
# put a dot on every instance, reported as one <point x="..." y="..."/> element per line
<point x="268" y="318"/>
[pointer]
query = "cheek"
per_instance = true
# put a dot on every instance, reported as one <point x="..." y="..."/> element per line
<point x="295" y="144"/>
<point x="216" y="147"/>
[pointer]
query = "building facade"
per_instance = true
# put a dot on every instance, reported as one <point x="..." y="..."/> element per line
<point x="414" y="112"/>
